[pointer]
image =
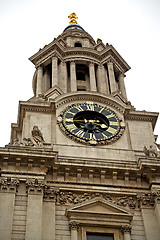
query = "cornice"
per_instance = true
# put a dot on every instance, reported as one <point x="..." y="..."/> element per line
<point x="142" y="116"/>
<point x="88" y="54"/>
<point x="34" y="105"/>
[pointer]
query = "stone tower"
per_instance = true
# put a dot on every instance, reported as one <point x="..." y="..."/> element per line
<point x="82" y="163"/>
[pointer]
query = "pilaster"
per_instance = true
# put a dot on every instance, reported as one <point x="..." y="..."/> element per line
<point x="34" y="210"/>
<point x="8" y="188"/>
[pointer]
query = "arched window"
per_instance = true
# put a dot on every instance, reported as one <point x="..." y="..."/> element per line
<point x="77" y="44"/>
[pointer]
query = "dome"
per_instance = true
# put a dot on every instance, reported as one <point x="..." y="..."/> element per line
<point x="73" y="26"/>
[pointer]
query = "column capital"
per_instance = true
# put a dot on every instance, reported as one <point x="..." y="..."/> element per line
<point x="91" y="64"/>
<point x="73" y="225"/>
<point x="34" y="186"/>
<point x="73" y="62"/>
<point x="110" y="63"/>
<point x="8" y="184"/>
<point x="55" y="57"/>
<point x="126" y="229"/>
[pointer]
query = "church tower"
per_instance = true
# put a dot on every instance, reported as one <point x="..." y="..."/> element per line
<point x="82" y="162"/>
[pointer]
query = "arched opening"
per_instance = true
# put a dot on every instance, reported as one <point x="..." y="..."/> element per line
<point x="77" y="44"/>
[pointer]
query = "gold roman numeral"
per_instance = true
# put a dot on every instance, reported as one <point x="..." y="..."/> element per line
<point x="80" y="133"/>
<point x="90" y="107"/>
<point x="114" y="123"/>
<point x="71" y="127"/>
<point x="111" y="130"/>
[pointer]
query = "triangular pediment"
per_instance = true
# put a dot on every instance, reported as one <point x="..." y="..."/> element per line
<point x="99" y="211"/>
<point x="99" y="205"/>
<point x="53" y="92"/>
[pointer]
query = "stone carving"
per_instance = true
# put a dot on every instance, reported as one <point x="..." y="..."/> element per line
<point x="51" y="193"/>
<point x="146" y="199"/>
<point x="27" y="142"/>
<point x="8" y="184"/>
<point x="150" y="152"/>
<point x="126" y="229"/>
<point x="73" y="225"/>
<point x="37" y="136"/>
<point x="35" y="186"/>
<point x="36" y="140"/>
<point x="75" y="198"/>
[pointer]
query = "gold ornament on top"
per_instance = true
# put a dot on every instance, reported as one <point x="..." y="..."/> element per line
<point x="73" y="18"/>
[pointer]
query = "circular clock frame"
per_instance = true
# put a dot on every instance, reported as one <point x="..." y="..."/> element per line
<point x="90" y="123"/>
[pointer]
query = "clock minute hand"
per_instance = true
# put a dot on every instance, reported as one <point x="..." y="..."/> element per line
<point x="101" y="125"/>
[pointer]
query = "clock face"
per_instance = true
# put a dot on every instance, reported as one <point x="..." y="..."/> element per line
<point x="91" y="122"/>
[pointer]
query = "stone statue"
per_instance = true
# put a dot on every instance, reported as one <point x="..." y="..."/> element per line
<point x="150" y="152"/>
<point x="37" y="136"/>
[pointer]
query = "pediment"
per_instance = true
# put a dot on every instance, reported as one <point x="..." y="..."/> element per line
<point x="53" y="92"/>
<point x="99" y="212"/>
<point x="99" y="206"/>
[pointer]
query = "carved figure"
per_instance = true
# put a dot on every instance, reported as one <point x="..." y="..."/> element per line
<point x="37" y="136"/>
<point x="150" y="152"/>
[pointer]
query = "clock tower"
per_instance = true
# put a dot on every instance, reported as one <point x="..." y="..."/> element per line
<point x="82" y="162"/>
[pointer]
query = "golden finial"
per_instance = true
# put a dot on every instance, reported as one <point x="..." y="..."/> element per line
<point x="72" y="18"/>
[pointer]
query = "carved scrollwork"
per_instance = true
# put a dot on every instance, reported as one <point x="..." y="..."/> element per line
<point x="73" y="225"/>
<point x="51" y="193"/>
<point x="76" y="198"/>
<point x="8" y="184"/>
<point x="34" y="186"/>
<point x="126" y="229"/>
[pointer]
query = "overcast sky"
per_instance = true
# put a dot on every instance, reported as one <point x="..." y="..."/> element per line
<point x="131" y="26"/>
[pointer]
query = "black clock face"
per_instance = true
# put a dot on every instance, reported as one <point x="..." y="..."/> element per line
<point x="91" y="122"/>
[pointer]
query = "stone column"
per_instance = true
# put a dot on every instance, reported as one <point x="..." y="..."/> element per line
<point x="63" y="79"/>
<point x="101" y="80"/>
<point x="92" y="77"/>
<point x="74" y="230"/>
<point x="7" y="202"/>
<point x="113" y="84"/>
<point x="54" y="71"/>
<point x="39" y="81"/>
<point x="46" y="84"/>
<point x="34" y="210"/>
<point x="122" y="85"/>
<point x="126" y="231"/>
<point x="73" y="80"/>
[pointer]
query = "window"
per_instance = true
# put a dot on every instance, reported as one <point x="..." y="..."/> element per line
<point x="99" y="236"/>
<point x="81" y="76"/>
<point x="77" y="44"/>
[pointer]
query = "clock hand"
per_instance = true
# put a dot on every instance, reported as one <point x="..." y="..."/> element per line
<point x="101" y="125"/>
